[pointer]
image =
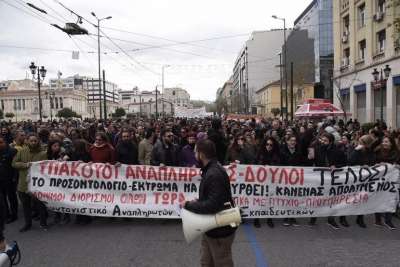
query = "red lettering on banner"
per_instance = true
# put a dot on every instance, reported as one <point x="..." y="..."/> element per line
<point x="130" y="173"/>
<point x="301" y="176"/>
<point x="116" y="171"/>
<point x="249" y="176"/>
<point x="274" y="174"/>
<point x="74" y="168"/>
<point x="294" y="177"/>
<point x="171" y="174"/>
<point x="232" y="173"/>
<point x="192" y="173"/>
<point x="98" y="168"/>
<point x="152" y="174"/>
<point x="141" y="172"/>
<point x="43" y="166"/>
<point x="164" y="172"/>
<point x="183" y="175"/>
<point x="56" y="164"/>
<point x="64" y="170"/>
<point x="107" y="172"/>
<point x="282" y="176"/>
<point x="168" y="198"/>
<point x="87" y="170"/>
<point x="261" y="175"/>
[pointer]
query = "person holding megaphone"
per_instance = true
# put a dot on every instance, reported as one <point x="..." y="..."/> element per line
<point x="214" y="193"/>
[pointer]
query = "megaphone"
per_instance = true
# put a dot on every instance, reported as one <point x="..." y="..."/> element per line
<point x="196" y="224"/>
<point x="11" y="256"/>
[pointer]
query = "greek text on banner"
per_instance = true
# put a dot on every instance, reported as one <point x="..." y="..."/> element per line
<point x="97" y="189"/>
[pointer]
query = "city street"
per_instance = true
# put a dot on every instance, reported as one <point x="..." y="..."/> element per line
<point x="152" y="243"/>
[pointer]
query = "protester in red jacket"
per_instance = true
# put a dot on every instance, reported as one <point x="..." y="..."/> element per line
<point x="101" y="151"/>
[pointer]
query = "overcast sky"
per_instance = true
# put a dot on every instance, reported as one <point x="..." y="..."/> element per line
<point x="200" y="67"/>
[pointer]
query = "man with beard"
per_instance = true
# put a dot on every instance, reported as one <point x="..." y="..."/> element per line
<point x="146" y="147"/>
<point x="22" y="161"/>
<point x="214" y="192"/>
<point x="165" y="153"/>
<point x="126" y="151"/>
<point x="7" y="181"/>
<point x="187" y="154"/>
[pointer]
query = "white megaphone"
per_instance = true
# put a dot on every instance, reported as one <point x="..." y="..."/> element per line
<point x="11" y="256"/>
<point x="196" y="224"/>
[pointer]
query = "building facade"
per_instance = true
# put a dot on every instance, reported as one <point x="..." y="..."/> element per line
<point x="367" y="37"/>
<point x="91" y="86"/>
<point x="269" y="97"/>
<point x="317" y="21"/>
<point x="178" y="96"/>
<point x="21" y="98"/>
<point x="225" y="93"/>
<point x="144" y="102"/>
<point x="255" y="66"/>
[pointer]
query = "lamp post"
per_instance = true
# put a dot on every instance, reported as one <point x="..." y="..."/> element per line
<point x="162" y="84"/>
<point x="285" y="60"/>
<point x="98" y="55"/>
<point x="381" y="82"/>
<point x="41" y="73"/>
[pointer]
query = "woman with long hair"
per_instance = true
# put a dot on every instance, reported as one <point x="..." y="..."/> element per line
<point x="238" y="152"/>
<point x="386" y="152"/>
<point x="363" y="155"/>
<point x="268" y="155"/>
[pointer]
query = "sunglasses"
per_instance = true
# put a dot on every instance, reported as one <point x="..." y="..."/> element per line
<point x="269" y="144"/>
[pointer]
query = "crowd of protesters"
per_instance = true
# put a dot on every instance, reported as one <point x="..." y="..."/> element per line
<point x="171" y="142"/>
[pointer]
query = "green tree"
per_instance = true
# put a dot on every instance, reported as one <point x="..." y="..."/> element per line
<point x="67" y="113"/>
<point x="10" y="115"/>
<point x="275" y="111"/>
<point x="119" y="112"/>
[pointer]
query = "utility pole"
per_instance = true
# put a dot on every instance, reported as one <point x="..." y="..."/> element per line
<point x="291" y="92"/>
<point x="104" y="93"/>
<point x="156" y="103"/>
<point x="281" y="82"/>
<point x="162" y="84"/>
<point x="98" y="54"/>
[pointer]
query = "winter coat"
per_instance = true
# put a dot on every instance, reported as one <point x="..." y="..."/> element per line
<point x="220" y="145"/>
<point x="165" y="154"/>
<point x="188" y="158"/>
<point x="268" y="158"/>
<point x="127" y="153"/>
<point x="329" y="156"/>
<point x="7" y="172"/>
<point x="103" y="154"/>
<point x="244" y="155"/>
<point x="291" y="159"/>
<point x="145" y="149"/>
<point x="20" y="162"/>
<point x="214" y="192"/>
<point x="362" y="157"/>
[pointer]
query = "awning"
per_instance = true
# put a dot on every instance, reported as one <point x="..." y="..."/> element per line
<point x="318" y="108"/>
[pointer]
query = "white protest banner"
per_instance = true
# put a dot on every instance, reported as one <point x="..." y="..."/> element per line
<point x="97" y="189"/>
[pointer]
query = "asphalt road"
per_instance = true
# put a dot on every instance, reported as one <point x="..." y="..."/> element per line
<point x="141" y="242"/>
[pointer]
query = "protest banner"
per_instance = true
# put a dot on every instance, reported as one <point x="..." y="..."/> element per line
<point x="97" y="189"/>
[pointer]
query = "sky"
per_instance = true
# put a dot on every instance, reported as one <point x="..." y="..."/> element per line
<point x="196" y="41"/>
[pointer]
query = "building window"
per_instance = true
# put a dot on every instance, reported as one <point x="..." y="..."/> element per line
<point x="381" y="6"/>
<point x="362" y="49"/>
<point x="56" y="102"/>
<point x="346" y="24"/>
<point x="15" y="104"/>
<point x="361" y="16"/>
<point x="23" y="104"/>
<point x="381" y="38"/>
<point x="61" y="103"/>
<point x="51" y="102"/>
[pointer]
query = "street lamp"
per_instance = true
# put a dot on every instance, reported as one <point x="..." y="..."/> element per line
<point x="98" y="54"/>
<point x="381" y="82"/>
<point x="162" y="72"/>
<point x="285" y="61"/>
<point x="41" y="73"/>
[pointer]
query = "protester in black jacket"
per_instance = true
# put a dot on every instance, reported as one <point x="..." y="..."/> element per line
<point x="214" y="192"/>
<point x="126" y="151"/>
<point x="363" y="155"/>
<point x="2" y="221"/>
<point x="165" y="153"/>
<point x="215" y="134"/>
<point x="291" y="156"/>
<point x="327" y="154"/>
<point x="8" y="177"/>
